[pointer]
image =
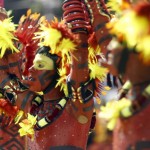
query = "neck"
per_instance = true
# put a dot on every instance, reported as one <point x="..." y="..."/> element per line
<point x="54" y="94"/>
<point x="51" y="92"/>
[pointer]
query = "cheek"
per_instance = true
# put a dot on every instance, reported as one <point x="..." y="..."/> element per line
<point x="35" y="83"/>
<point x="35" y="74"/>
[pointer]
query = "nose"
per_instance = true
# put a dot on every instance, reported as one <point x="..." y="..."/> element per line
<point x="32" y="69"/>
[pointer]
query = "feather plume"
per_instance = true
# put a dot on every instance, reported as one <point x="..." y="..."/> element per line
<point x="28" y="25"/>
<point x="60" y="39"/>
<point x="7" y="28"/>
<point x="118" y="5"/>
<point x="97" y="71"/>
<point x="62" y="42"/>
<point x="63" y="80"/>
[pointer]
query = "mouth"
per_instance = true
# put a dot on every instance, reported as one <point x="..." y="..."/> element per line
<point x="31" y="78"/>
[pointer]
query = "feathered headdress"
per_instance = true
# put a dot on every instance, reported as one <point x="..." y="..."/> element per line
<point x="7" y="29"/>
<point x="62" y="42"/>
<point x="118" y="6"/>
<point x="59" y="38"/>
<point x="133" y="28"/>
<point x="28" y="25"/>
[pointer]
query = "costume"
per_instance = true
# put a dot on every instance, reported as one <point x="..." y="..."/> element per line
<point x="9" y="137"/>
<point x="99" y="16"/>
<point x="57" y="119"/>
<point x="131" y="60"/>
<point x="66" y="104"/>
<point x="63" y="113"/>
<point x="15" y="96"/>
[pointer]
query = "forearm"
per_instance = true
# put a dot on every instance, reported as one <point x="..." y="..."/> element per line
<point x="99" y="17"/>
<point x="77" y="21"/>
<point x="79" y="66"/>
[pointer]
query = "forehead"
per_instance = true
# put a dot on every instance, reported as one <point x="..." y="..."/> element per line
<point x="42" y="58"/>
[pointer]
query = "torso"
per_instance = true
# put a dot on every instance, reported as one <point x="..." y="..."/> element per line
<point x="64" y="133"/>
<point x="133" y="132"/>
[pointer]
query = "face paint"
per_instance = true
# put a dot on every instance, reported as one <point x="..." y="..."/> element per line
<point x="41" y="73"/>
<point x="42" y="62"/>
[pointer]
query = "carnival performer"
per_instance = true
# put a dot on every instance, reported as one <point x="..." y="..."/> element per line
<point x="15" y="97"/>
<point x="130" y="57"/>
<point x="64" y="62"/>
<point x="10" y="136"/>
<point x="100" y="14"/>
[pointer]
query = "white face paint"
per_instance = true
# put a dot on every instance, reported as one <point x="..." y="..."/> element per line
<point x="42" y="62"/>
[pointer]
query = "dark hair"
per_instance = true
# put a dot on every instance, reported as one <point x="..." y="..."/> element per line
<point x="45" y="50"/>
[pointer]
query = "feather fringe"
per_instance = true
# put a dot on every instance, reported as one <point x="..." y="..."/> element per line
<point x="7" y="28"/>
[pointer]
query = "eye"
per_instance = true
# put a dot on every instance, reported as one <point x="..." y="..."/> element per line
<point x="40" y="66"/>
<point x="19" y="45"/>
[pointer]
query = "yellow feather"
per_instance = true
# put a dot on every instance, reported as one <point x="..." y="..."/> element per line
<point x="143" y="48"/>
<point x="134" y="30"/>
<point x="66" y="46"/>
<point x="131" y="27"/>
<point x="28" y="12"/>
<point x="52" y="37"/>
<point x="49" y="37"/>
<point x="61" y="46"/>
<point x="97" y="71"/>
<point x="114" y="5"/>
<point x="62" y="80"/>
<point x="91" y="52"/>
<point x="6" y="36"/>
<point x="118" y="5"/>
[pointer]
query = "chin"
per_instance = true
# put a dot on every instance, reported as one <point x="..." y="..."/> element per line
<point x="35" y="88"/>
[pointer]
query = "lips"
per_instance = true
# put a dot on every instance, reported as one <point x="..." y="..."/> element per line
<point x="30" y="78"/>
